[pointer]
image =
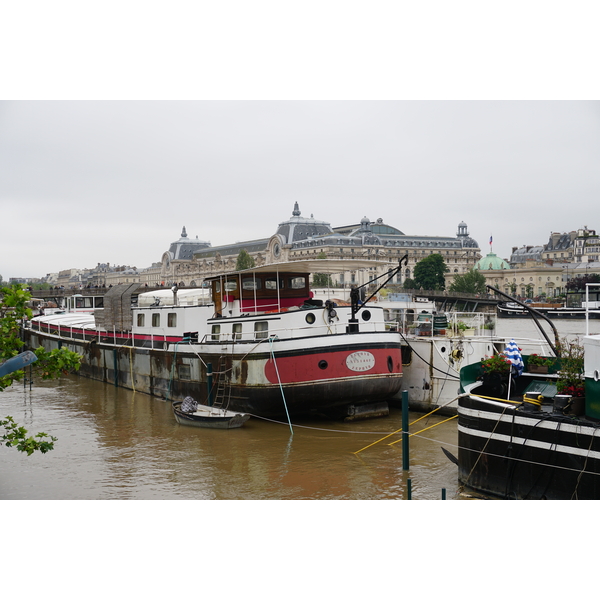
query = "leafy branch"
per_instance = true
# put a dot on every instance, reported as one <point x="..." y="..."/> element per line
<point x="17" y="436"/>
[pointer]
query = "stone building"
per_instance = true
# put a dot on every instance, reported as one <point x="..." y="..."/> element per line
<point x="532" y="278"/>
<point x="587" y="246"/>
<point x="188" y="262"/>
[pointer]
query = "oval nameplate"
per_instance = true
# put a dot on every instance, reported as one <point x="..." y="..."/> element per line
<point x="360" y="361"/>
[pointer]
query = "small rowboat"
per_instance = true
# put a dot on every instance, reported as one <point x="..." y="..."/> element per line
<point x="209" y="416"/>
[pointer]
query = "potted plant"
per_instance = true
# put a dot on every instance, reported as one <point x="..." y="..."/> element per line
<point x="496" y="371"/>
<point x="539" y="364"/>
<point x="498" y="363"/>
<point x="463" y="329"/>
<point x="571" y="380"/>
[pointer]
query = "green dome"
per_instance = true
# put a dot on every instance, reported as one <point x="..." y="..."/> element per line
<point x="491" y="262"/>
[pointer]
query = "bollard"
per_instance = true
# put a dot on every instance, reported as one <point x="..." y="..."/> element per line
<point x="209" y="379"/>
<point x="405" y="430"/>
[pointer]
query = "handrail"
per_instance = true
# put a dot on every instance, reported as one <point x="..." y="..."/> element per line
<point x="534" y="314"/>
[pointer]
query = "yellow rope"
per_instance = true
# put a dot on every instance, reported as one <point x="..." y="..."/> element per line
<point x="399" y="430"/>
<point x="426" y="428"/>
<point x="497" y="399"/>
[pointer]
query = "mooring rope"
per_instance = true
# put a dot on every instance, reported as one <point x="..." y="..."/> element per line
<point x="280" y="386"/>
<point x="415" y="421"/>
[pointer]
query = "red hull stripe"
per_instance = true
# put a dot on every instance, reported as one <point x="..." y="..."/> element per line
<point x="334" y="365"/>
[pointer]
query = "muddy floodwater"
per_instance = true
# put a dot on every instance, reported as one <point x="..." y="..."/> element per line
<point x="117" y="444"/>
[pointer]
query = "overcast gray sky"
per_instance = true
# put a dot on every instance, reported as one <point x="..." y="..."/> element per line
<point x="94" y="180"/>
<point x="85" y="182"/>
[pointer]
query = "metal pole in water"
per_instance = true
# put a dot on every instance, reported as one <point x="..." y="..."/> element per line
<point x="409" y="489"/>
<point x="405" y="430"/>
<point x="443" y="493"/>
<point x="209" y="380"/>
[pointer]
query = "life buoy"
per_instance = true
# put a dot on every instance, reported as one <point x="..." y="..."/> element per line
<point x="456" y="354"/>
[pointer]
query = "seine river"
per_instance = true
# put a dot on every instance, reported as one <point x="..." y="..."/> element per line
<point x="117" y="444"/>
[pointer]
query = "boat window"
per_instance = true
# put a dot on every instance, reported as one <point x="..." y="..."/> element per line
<point x="84" y="302"/>
<point x="230" y="286"/>
<point x="215" y="333"/>
<point x="155" y="319"/>
<point x="250" y="283"/>
<point x="140" y="319"/>
<point x="237" y="331"/>
<point x="261" y="329"/>
<point x="99" y="302"/>
<point x="297" y="283"/>
<point x="271" y="283"/>
<point x="172" y="320"/>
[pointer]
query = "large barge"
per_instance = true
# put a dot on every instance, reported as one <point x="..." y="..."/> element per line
<point x="253" y="341"/>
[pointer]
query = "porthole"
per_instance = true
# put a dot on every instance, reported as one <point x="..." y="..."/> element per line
<point x="390" y="364"/>
<point x="596" y="375"/>
<point x="310" y="318"/>
<point x="443" y="349"/>
<point x="323" y="364"/>
<point x="366" y="315"/>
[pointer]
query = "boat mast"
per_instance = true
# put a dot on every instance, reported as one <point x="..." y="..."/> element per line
<point x="354" y="295"/>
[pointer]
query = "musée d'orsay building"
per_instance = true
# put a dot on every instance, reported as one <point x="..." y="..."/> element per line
<point x="188" y="261"/>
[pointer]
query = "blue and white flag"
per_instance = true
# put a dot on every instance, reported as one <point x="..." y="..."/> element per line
<point x="514" y="355"/>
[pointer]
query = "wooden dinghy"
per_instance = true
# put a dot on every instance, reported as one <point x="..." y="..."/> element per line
<point x="200" y="415"/>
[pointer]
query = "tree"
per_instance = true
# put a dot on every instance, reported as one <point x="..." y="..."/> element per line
<point x="409" y="284"/>
<point x="577" y="284"/>
<point x="244" y="261"/>
<point x="429" y="272"/>
<point x="472" y="282"/>
<point x="49" y="364"/>
<point x="322" y="280"/>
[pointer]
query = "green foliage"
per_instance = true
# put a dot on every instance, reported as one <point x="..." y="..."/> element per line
<point x="498" y="363"/>
<point x="429" y="272"/>
<point x="244" y="261"/>
<point x="17" y="436"/>
<point x="13" y="308"/>
<point x="577" y="284"/>
<point x="472" y="282"/>
<point x="322" y="280"/>
<point x="409" y="284"/>
<point x="571" y="380"/>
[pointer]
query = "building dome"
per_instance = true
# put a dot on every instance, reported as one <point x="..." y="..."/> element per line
<point x="298" y="228"/>
<point x="184" y="247"/>
<point x="491" y="262"/>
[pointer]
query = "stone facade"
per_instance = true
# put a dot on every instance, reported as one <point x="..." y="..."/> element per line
<point x="301" y="238"/>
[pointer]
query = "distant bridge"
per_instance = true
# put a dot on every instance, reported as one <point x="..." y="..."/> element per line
<point x="458" y="301"/>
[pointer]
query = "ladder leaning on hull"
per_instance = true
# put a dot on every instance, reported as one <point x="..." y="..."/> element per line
<point x="223" y="390"/>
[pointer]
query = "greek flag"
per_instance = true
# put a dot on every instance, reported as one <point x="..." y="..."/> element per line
<point x="514" y="355"/>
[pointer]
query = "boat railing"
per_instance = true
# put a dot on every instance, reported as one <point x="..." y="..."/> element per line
<point x="455" y="324"/>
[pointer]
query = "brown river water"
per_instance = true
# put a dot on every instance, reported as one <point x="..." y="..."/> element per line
<point x="117" y="444"/>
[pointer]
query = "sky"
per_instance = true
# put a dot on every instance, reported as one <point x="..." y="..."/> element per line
<point x="91" y="175"/>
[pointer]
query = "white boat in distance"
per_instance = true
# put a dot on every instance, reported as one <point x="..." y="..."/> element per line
<point x="261" y="345"/>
